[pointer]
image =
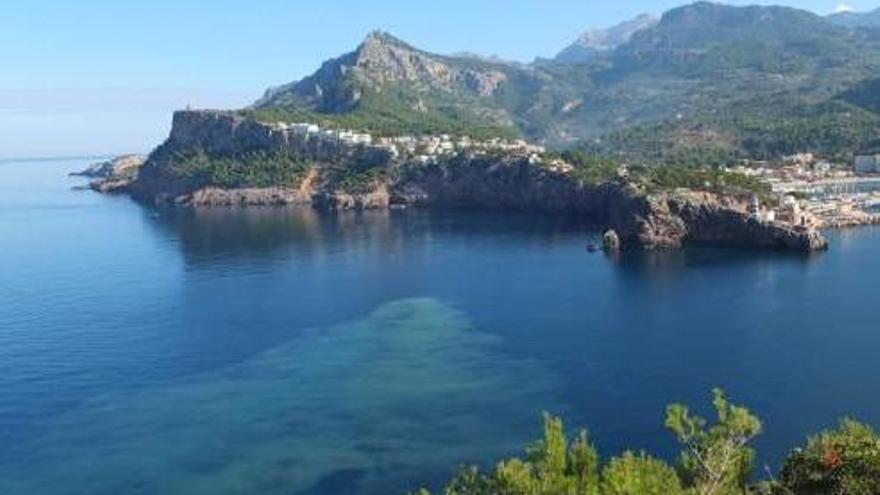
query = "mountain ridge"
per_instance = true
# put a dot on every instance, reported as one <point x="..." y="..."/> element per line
<point x="857" y="19"/>
<point x="595" y="42"/>
<point x="729" y="69"/>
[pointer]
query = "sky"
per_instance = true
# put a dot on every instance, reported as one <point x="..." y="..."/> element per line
<point x="93" y="77"/>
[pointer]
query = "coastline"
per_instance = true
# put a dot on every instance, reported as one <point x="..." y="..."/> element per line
<point x="333" y="171"/>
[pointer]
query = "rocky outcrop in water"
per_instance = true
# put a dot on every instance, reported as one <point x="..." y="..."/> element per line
<point x="120" y="166"/>
<point x="712" y="220"/>
<point x="113" y="175"/>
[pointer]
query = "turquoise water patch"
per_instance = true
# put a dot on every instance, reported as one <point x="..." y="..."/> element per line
<point x="368" y="406"/>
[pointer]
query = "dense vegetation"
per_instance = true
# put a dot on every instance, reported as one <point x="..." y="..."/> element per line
<point x="354" y="179"/>
<point x="255" y="169"/>
<point x="834" y="129"/>
<point x="261" y="169"/>
<point x="590" y="167"/>
<point x="391" y="115"/>
<point x="708" y="179"/>
<point x="694" y="174"/>
<point x="716" y="459"/>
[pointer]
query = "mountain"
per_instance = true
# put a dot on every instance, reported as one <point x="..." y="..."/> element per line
<point x="390" y="86"/>
<point x="857" y="19"/>
<point x="705" y="80"/>
<point x="596" y="42"/>
<point x="382" y="60"/>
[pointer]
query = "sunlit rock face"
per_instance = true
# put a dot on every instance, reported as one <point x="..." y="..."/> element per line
<point x="383" y="60"/>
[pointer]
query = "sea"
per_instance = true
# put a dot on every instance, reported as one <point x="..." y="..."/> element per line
<point x="150" y="350"/>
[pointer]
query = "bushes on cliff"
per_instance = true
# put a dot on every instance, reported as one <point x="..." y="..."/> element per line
<point x="253" y="169"/>
<point x="590" y="167"/>
<point x="354" y="180"/>
<point x="716" y="459"/>
<point x="594" y="168"/>
<point x="708" y="179"/>
<point x="845" y="460"/>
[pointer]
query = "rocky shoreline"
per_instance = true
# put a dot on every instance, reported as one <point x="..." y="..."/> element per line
<point x="113" y="175"/>
<point x="479" y="182"/>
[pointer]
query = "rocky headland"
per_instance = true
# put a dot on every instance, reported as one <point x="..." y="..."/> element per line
<point x="211" y="159"/>
<point x="115" y="174"/>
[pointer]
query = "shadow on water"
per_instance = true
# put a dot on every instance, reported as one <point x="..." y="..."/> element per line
<point x="667" y="262"/>
<point x="209" y="235"/>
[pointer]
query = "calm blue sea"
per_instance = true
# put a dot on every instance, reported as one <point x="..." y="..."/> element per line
<point x="279" y="351"/>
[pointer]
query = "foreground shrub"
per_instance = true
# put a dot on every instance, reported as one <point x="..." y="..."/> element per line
<point x="716" y="460"/>
<point x="641" y="474"/>
<point x="841" y="461"/>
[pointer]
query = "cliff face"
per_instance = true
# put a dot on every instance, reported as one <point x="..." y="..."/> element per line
<point x="470" y="181"/>
<point x="230" y="134"/>
<point x="666" y="220"/>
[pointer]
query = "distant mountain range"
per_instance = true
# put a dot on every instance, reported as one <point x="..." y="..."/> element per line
<point x="705" y="81"/>
<point x="857" y="19"/>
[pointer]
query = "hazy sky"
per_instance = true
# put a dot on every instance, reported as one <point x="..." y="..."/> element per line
<point x="102" y="76"/>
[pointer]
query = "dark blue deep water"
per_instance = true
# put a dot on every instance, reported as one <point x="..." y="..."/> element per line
<point x="284" y="352"/>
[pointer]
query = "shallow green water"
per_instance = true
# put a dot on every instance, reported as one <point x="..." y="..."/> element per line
<point x="372" y="403"/>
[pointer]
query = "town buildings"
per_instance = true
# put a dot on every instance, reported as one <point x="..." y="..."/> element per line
<point x="418" y="149"/>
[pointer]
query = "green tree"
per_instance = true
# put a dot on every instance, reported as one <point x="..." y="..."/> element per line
<point x="551" y="467"/>
<point x="717" y="459"/>
<point x="632" y="474"/>
<point x="469" y="481"/>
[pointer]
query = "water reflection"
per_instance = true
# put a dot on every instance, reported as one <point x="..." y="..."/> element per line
<point x="668" y="262"/>
<point x="210" y="235"/>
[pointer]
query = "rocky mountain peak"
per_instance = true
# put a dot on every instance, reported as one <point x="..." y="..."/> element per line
<point x="379" y="61"/>
<point x="382" y="59"/>
<point x="594" y="42"/>
<point x="700" y="26"/>
<point x="610" y="38"/>
<point x="378" y="39"/>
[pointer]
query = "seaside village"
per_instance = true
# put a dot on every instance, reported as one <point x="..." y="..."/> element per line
<point x="811" y="192"/>
<point x="817" y="193"/>
<point x="422" y="149"/>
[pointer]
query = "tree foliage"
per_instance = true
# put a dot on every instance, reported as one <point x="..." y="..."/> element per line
<point x="845" y="460"/>
<point x="253" y="169"/>
<point x="639" y="474"/>
<point x="716" y="459"/>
